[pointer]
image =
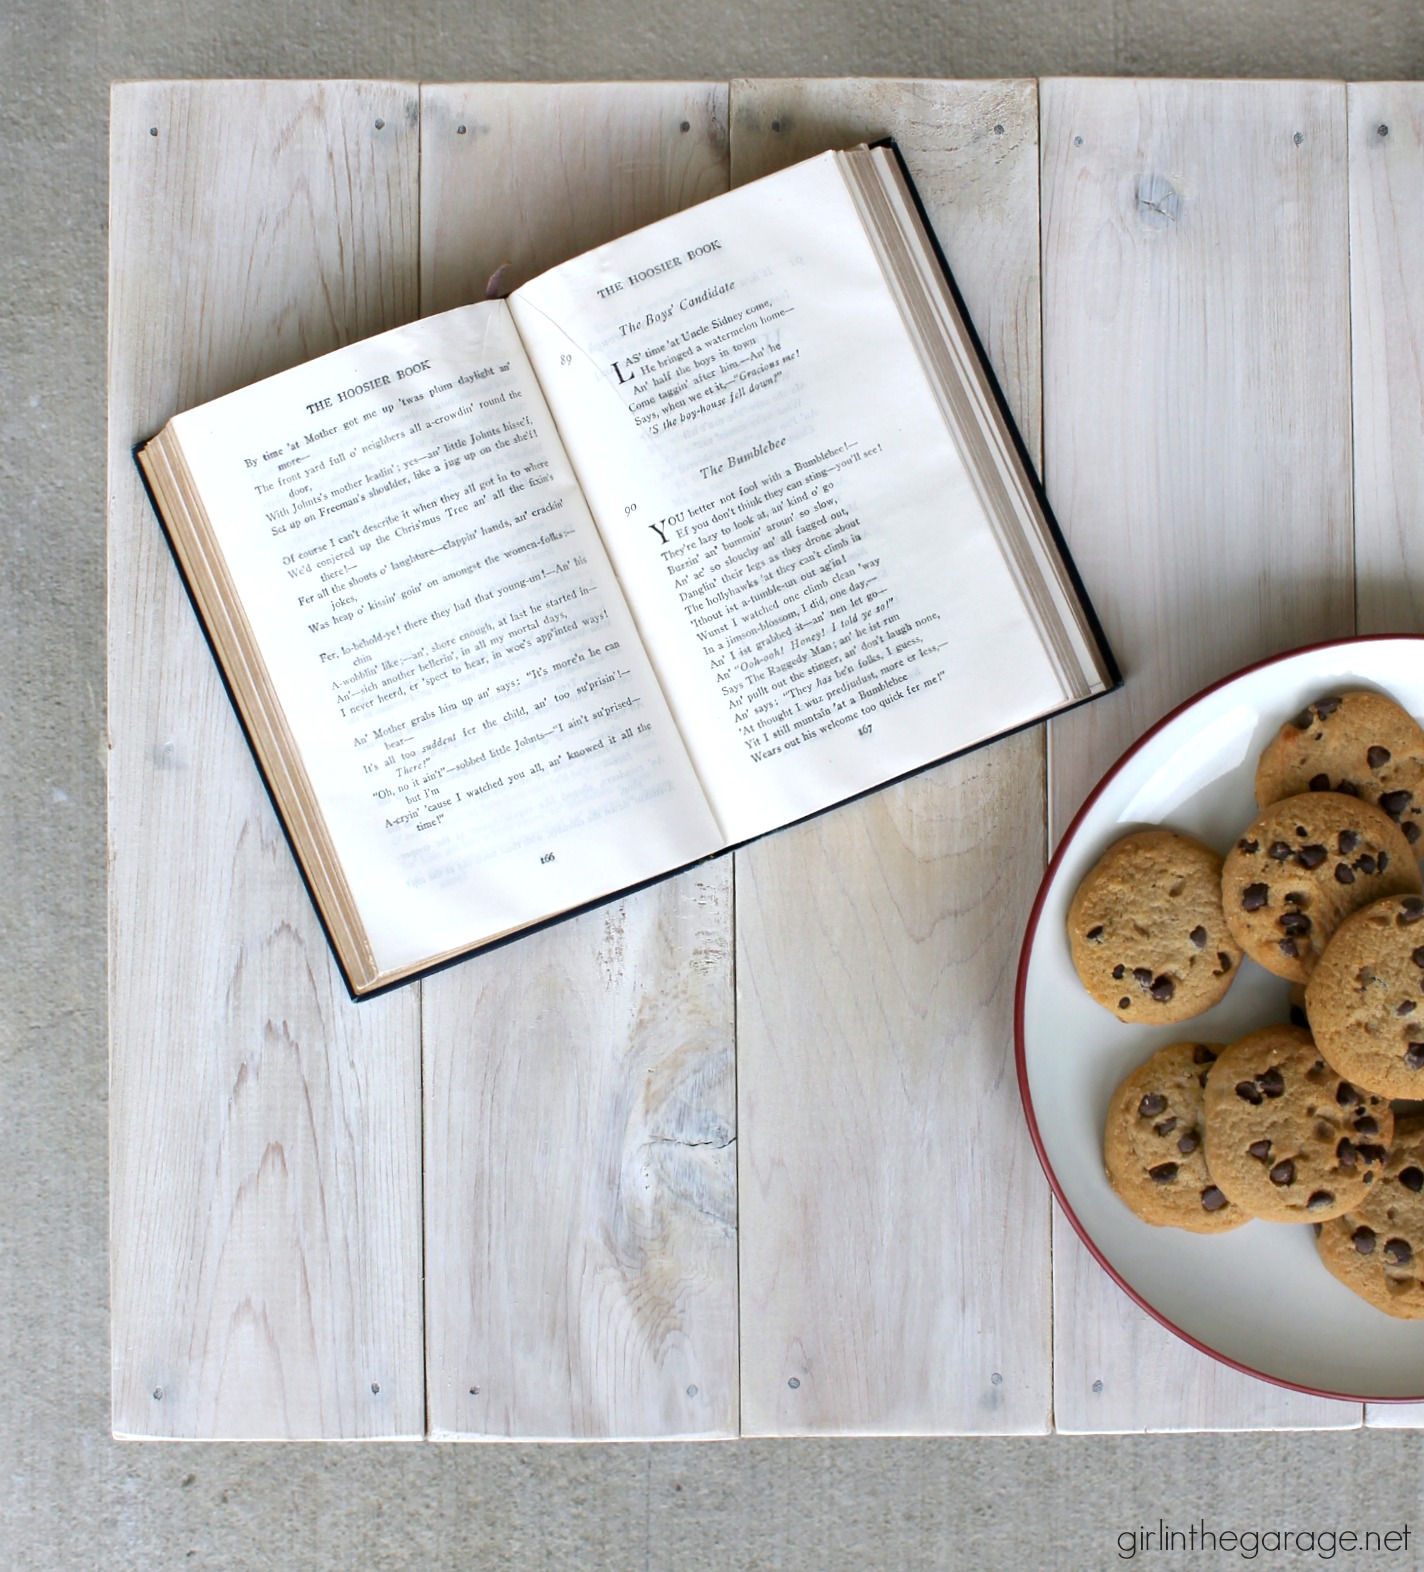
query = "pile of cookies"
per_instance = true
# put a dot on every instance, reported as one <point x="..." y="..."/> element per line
<point x="1294" y="1122"/>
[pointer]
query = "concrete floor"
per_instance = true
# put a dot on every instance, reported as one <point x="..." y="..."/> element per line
<point x="71" y="1497"/>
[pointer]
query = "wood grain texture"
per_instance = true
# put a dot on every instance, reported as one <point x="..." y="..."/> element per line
<point x="1197" y="453"/>
<point x="531" y="174"/>
<point x="580" y="1112"/>
<point x="1386" y="158"/>
<point x="581" y="1202"/>
<point x="265" y="1135"/>
<point x="894" y="1226"/>
<point x="1386" y="155"/>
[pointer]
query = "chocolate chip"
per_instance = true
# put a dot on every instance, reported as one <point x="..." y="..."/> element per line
<point x="1297" y="898"/>
<point x="1119" y="972"/>
<point x="1123" y="1003"/>
<point x="1283" y="1173"/>
<point x="1143" y="974"/>
<point x="1288" y="947"/>
<point x="1198" y="937"/>
<point x="1395" y="802"/>
<point x="1411" y="909"/>
<point x="1377" y="756"/>
<point x="1094" y="935"/>
<point x="1163" y="1173"/>
<point x="1324" y="707"/>
<point x="1418" y="956"/>
<point x="1223" y="964"/>
<point x="1272" y="1083"/>
<point x="1414" y="1056"/>
<point x="1320" y="783"/>
<point x="1249" y="1092"/>
<point x="1301" y="830"/>
<point x="1382" y="862"/>
<point x="1311" y="856"/>
<point x="1250" y="847"/>
<point x="1363" y="1239"/>
<point x="1304" y="721"/>
<point x="1151" y="1105"/>
<point x="1294" y="922"/>
<point x="1201" y="1054"/>
<point x="1344" y="873"/>
<point x="1345" y="1093"/>
<point x="1371" y="1154"/>
<point x="1188" y="1143"/>
<point x="1347" y="842"/>
<point x="1365" y="863"/>
<point x="1345" y="1153"/>
<point x="1162" y="989"/>
<point x="1367" y="1178"/>
<point x="1348" y="789"/>
<point x="1407" y="1008"/>
<point x="1319" y="1199"/>
<point x="1212" y="1199"/>
<point x="1397" y="1252"/>
<point x="1254" y="897"/>
<point x="1411" y="1178"/>
<point x="1411" y="831"/>
<point x="1260" y="1150"/>
<point x="1280" y="850"/>
<point x="1166" y="1127"/>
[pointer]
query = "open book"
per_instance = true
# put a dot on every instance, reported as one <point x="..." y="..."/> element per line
<point x="709" y="529"/>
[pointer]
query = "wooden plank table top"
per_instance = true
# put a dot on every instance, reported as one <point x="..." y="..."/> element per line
<point x="740" y="1154"/>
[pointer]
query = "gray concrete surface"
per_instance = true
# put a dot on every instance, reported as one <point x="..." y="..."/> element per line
<point x="71" y="1497"/>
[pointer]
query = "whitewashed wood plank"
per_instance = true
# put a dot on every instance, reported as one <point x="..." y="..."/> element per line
<point x="265" y="1132"/>
<point x="1386" y="142"/>
<point x="894" y="1225"/>
<point x="580" y="1106"/>
<point x="1197" y="452"/>
<point x="531" y="174"/>
<point x="1386" y="155"/>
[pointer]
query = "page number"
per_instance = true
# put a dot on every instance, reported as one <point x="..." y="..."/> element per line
<point x="866" y="730"/>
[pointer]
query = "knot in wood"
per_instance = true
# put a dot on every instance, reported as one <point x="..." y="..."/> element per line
<point x="1158" y="203"/>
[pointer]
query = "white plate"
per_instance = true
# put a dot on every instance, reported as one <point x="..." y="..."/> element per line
<point x="1258" y="1297"/>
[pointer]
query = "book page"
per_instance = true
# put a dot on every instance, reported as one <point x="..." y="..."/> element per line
<point x="444" y="634"/>
<point x="814" y="574"/>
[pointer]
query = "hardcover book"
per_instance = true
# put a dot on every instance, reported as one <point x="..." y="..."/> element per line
<point x="707" y="530"/>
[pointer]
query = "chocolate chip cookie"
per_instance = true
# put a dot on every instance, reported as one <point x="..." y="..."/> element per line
<point x="1377" y="1248"/>
<point x="1146" y="929"/>
<point x="1287" y="1138"/>
<point x="1302" y="868"/>
<point x="1359" y="744"/>
<point x="1365" y="998"/>
<point x="1153" y="1147"/>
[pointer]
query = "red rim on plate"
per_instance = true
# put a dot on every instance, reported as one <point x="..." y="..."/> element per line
<point x="1020" y="992"/>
